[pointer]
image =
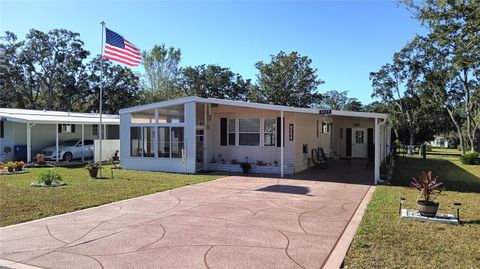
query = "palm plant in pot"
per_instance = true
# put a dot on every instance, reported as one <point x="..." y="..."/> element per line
<point x="429" y="188"/>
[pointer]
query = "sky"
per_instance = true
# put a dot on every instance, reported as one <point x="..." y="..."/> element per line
<point x="346" y="40"/>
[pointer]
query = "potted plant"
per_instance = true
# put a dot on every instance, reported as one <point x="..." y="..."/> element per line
<point x="93" y="169"/>
<point x="234" y="161"/>
<point x="19" y="166"/>
<point x="40" y="158"/>
<point x="429" y="188"/>
<point x="11" y="166"/>
<point x="245" y="167"/>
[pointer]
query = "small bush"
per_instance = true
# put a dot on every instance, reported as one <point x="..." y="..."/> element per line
<point x="48" y="177"/>
<point x="470" y="158"/>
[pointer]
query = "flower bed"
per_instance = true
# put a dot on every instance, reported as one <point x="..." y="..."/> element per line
<point x="11" y="167"/>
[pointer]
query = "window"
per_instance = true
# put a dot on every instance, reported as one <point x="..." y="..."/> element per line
<point x="326" y="127"/>
<point x="66" y="128"/>
<point x="359" y="137"/>
<point x="172" y="114"/>
<point x="88" y="142"/>
<point x="94" y="130"/>
<point x="148" y="142"/>
<point x="317" y="129"/>
<point x="231" y="132"/>
<point x="249" y="132"/>
<point x="164" y="142"/>
<point x="177" y="142"/>
<point x="2" y="131"/>
<point x="147" y="116"/>
<point x="269" y="131"/>
<point x="135" y="141"/>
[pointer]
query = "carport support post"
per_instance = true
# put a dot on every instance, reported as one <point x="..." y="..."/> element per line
<point x="281" y="143"/>
<point x="56" y="141"/>
<point x="83" y="142"/>
<point x="377" y="151"/>
<point x="29" y="143"/>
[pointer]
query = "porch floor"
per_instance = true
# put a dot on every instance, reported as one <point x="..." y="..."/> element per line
<point x="357" y="171"/>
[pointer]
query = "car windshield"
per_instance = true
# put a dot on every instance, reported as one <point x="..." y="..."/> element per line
<point x="69" y="143"/>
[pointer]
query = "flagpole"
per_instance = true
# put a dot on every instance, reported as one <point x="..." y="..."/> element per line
<point x="101" y="101"/>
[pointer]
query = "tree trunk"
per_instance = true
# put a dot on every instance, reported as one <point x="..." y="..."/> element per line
<point x="459" y="130"/>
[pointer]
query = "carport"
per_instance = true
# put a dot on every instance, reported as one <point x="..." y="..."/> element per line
<point x="39" y="128"/>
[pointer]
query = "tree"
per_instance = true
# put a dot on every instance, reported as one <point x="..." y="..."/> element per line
<point x="353" y="105"/>
<point x="214" y="81"/>
<point x="120" y="87"/>
<point x="451" y="59"/>
<point x="396" y="83"/>
<point x="44" y="69"/>
<point x="289" y="80"/>
<point x="340" y="101"/>
<point x="334" y="99"/>
<point x="162" y="74"/>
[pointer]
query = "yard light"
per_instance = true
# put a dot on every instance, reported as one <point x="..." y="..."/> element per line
<point x="402" y="200"/>
<point x="457" y="206"/>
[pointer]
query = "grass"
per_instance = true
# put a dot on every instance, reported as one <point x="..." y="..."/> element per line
<point x="384" y="240"/>
<point x="19" y="202"/>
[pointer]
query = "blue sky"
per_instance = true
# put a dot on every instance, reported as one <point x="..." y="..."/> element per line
<point x="345" y="40"/>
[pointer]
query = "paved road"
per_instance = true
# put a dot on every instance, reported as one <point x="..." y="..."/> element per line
<point x="234" y="222"/>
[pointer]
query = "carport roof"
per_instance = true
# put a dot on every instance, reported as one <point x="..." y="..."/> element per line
<point x="249" y="105"/>
<point x="43" y="116"/>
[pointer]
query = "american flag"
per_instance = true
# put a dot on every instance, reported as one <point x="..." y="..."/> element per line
<point x="119" y="49"/>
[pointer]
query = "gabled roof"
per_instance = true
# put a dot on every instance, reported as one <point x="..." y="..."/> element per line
<point x="248" y="105"/>
<point x="43" y="116"/>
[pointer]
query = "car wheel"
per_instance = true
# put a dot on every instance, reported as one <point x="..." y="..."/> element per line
<point x="67" y="156"/>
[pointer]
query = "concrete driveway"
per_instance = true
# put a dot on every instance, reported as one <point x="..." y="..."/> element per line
<point x="233" y="222"/>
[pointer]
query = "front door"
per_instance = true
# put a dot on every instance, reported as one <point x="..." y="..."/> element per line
<point x="359" y="143"/>
<point x="199" y="150"/>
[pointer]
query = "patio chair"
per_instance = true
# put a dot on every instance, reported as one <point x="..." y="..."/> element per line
<point x="326" y="158"/>
<point x="115" y="159"/>
<point x="317" y="158"/>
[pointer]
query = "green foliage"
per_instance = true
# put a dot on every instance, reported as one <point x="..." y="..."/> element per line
<point x="48" y="177"/>
<point x="48" y="70"/>
<point x="470" y="158"/>
<point x="161" y="80"/>
<point x="214" y="81"/>
<point x="289" y="80"/>
<point x="340" y="101"/>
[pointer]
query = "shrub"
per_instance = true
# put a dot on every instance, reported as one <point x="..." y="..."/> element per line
<point x="427" y="185"/>
<point x="48" y="177"/>
<point x="11" y="166"/>
<point x="245" y="167"/>
<point x="470" y="158"/>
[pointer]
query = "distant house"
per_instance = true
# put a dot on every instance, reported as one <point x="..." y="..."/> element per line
<point x="25" y="133"/>
<point x="192" y="134"/>
<point x="442" y="141"/>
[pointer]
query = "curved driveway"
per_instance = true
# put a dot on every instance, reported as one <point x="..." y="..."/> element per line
<point x="233" y="222"/>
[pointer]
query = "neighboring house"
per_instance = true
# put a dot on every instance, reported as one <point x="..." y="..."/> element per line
<point x="442" y="141"/>
<point x="192" y="134"/>
<point x="24" y="133"/>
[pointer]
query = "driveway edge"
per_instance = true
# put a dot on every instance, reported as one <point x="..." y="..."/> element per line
<point x="339" y="251"/>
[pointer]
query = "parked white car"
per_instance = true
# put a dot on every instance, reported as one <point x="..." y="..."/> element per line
<point x="69" y="150"/>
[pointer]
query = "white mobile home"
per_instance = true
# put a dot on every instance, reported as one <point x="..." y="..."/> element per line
<point x="24" y="133"/>
<point x="192" y="134"/>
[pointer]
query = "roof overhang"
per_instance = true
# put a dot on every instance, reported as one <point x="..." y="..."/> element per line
<point x="54" y="117"/>
<point x="249" y="105"/>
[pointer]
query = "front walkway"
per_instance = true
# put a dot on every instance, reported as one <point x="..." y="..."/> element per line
<point x="234" y="222"/>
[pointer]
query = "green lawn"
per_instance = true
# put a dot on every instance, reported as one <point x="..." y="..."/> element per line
<point x="19" y="202"/>
<point x="384" y="240"/>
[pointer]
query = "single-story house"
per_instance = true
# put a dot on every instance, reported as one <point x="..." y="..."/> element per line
<point x="192" y="134"/>
<point x="442" y="141"/>
<point x="24" y="132"/>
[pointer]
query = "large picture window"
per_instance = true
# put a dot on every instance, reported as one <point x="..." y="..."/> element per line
<point x="269" y="131"/>
<point x="136" y="141"/>
<point x="177" y="142"/>
<point x="249" y="132"/>
<point x="231" y="132"/>
<point x="164" y="142"/>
